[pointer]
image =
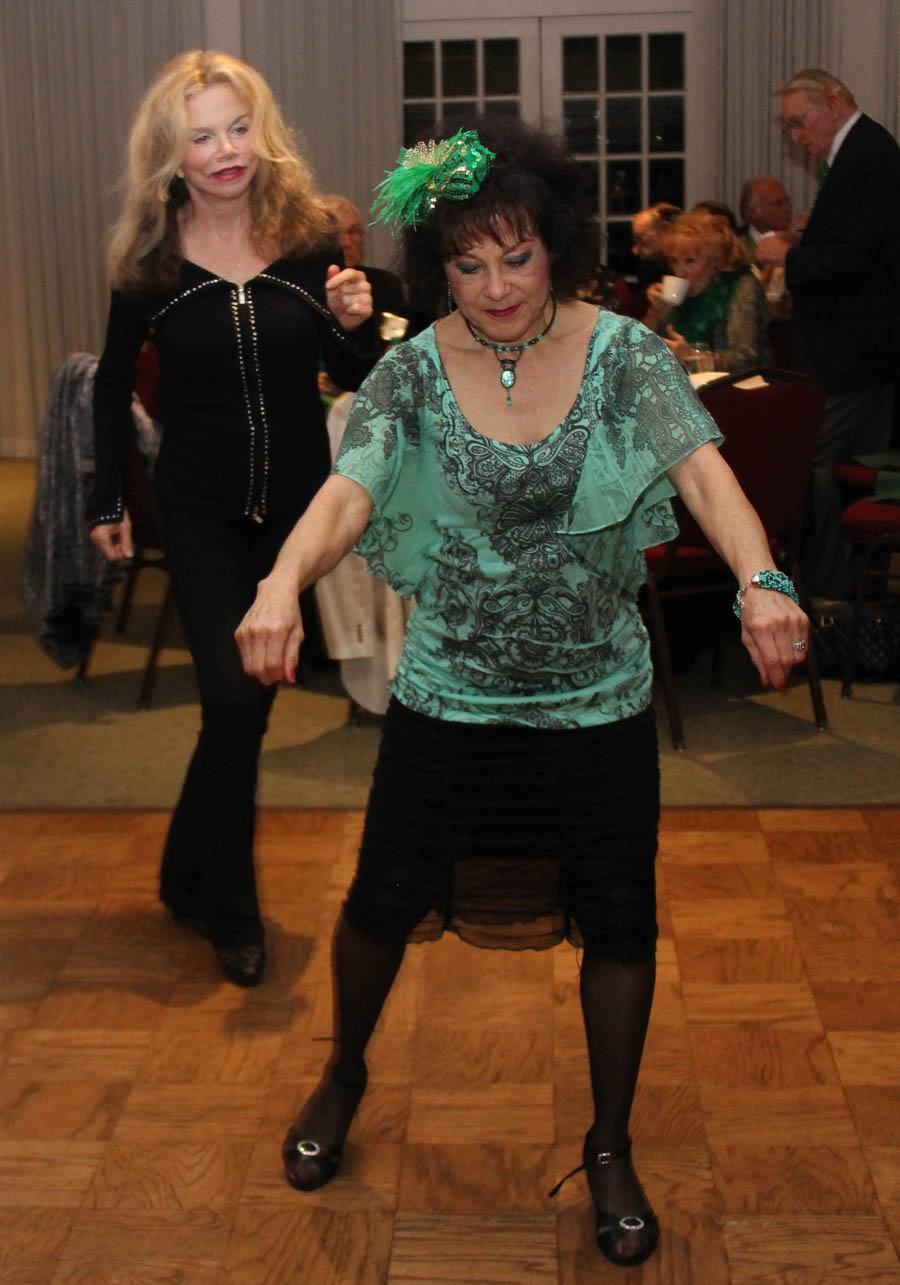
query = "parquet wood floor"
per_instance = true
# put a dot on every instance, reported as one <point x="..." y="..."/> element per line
<point x="143" y="1101"/>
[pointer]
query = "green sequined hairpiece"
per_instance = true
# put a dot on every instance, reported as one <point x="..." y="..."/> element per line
<point x="451" y="169"/>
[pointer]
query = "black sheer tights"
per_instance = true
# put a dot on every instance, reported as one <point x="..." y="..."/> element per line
<point x="364" y="971"/>
<point x="615" y="999"/>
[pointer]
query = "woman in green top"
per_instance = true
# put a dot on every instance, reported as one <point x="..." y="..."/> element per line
<point x="726" y="308"/>
<point x="508" y="467"/>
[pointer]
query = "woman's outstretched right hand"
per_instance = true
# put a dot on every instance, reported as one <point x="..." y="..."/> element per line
<point x="113" y="539"/>
<point x="270" y="634"/>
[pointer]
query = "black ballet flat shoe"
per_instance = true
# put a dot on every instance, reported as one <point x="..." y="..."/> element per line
<point x="640" y="1231"/>
<point x="309" y="1164"/>
<point x="242" y="965"/>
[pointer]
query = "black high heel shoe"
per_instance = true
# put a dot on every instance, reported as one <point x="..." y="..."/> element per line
<point x="242" y="965"/>
<point x="308" y="1163"/>
<point x="639" y="1231"/>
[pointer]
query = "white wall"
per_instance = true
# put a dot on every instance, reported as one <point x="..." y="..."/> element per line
<point x="868" y="54"/>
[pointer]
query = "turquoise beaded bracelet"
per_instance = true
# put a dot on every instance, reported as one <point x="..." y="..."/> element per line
<point x="776" y="580"/>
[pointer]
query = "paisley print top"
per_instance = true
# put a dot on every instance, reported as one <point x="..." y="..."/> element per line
<point x="525" y="561"/>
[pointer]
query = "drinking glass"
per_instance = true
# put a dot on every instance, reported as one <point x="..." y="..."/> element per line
<point x="701" y="358"/>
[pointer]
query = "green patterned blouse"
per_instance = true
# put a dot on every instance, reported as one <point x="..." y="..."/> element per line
<point x="525" y="561"/>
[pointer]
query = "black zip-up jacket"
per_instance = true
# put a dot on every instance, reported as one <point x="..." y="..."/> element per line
<point x="243" y="424"/>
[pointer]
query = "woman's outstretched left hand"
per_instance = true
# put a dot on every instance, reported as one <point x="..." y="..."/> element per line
<point x="771" y="623"/>
<point x="349" y="296"/>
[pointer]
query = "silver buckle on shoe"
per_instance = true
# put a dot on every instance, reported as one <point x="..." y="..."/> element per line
<point x="306" y="1147"/>
<point x="631" y="1222"/>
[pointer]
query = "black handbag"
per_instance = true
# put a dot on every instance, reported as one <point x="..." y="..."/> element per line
<point x="878" y="651"/>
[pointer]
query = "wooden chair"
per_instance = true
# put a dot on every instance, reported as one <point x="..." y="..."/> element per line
<point x="148" y="550"/>
<point x="770" y="433"/>
<point x="148" y="547"/>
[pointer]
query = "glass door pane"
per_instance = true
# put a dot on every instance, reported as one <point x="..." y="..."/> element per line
<point x="455" y="70"/>
<point x="615" y="87"/>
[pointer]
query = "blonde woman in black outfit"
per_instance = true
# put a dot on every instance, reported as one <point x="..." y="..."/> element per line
<point x="227" y="261"/>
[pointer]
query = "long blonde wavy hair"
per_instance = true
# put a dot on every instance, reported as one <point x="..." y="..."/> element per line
<point x="144" y="253"/>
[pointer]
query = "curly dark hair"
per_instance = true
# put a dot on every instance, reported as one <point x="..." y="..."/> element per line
<point x="534" y="188"/>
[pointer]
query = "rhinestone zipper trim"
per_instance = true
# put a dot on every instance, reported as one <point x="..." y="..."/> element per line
<point x="238" y="298"/>
<point x="260" y="511"/>
<point x="204" y="285"/>
<point x="335" y="329"/>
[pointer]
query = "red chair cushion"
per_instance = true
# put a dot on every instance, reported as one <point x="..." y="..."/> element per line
<point x="147" y="379"/>
<point x="856" y="475"/>
<point x="871" y="517"/>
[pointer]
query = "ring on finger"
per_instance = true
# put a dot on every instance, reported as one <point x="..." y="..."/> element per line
<point x="799" y="646"/>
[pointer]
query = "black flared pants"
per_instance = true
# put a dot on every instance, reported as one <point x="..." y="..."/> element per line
<point x="207" y="867"/>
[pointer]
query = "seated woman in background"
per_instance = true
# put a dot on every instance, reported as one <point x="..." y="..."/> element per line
<point x="726" y="308"/>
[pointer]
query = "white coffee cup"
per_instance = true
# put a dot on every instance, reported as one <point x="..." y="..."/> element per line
<point x="674" y="290"/>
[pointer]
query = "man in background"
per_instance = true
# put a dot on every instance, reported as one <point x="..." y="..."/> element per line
<point x="388" y="296"/>
<point x="647" y="228"/>
<point x="843" y="272"/>
<point x="765" y="208"/>
<point x="387" y="289"/>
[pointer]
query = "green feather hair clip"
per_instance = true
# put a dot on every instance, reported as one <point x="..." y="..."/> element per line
<point x="451" y="169"/>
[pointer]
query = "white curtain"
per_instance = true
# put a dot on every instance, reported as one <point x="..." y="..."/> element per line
<point x="71" y="75"/>
<point x="335" y="67"/>
<point x="760" y="46"/>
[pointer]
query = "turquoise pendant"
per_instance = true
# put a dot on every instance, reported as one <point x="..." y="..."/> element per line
<point x="507" y="374"/>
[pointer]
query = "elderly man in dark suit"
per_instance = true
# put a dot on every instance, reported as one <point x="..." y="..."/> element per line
<point x="843" y="272"/>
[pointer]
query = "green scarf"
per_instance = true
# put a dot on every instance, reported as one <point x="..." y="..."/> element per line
<point x="701" y="316"/>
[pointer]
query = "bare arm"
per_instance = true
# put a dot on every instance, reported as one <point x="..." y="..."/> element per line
<point x="270" y="634"/>
<point x="770" y="623"/>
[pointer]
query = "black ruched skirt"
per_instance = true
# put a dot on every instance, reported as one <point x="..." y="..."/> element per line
<point x="512" y="836"/>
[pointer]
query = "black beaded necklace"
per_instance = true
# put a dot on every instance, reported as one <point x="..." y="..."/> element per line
<point x="508" y="364"/>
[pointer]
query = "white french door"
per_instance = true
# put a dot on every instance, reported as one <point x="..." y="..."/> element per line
<point x="615" y="87"/>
